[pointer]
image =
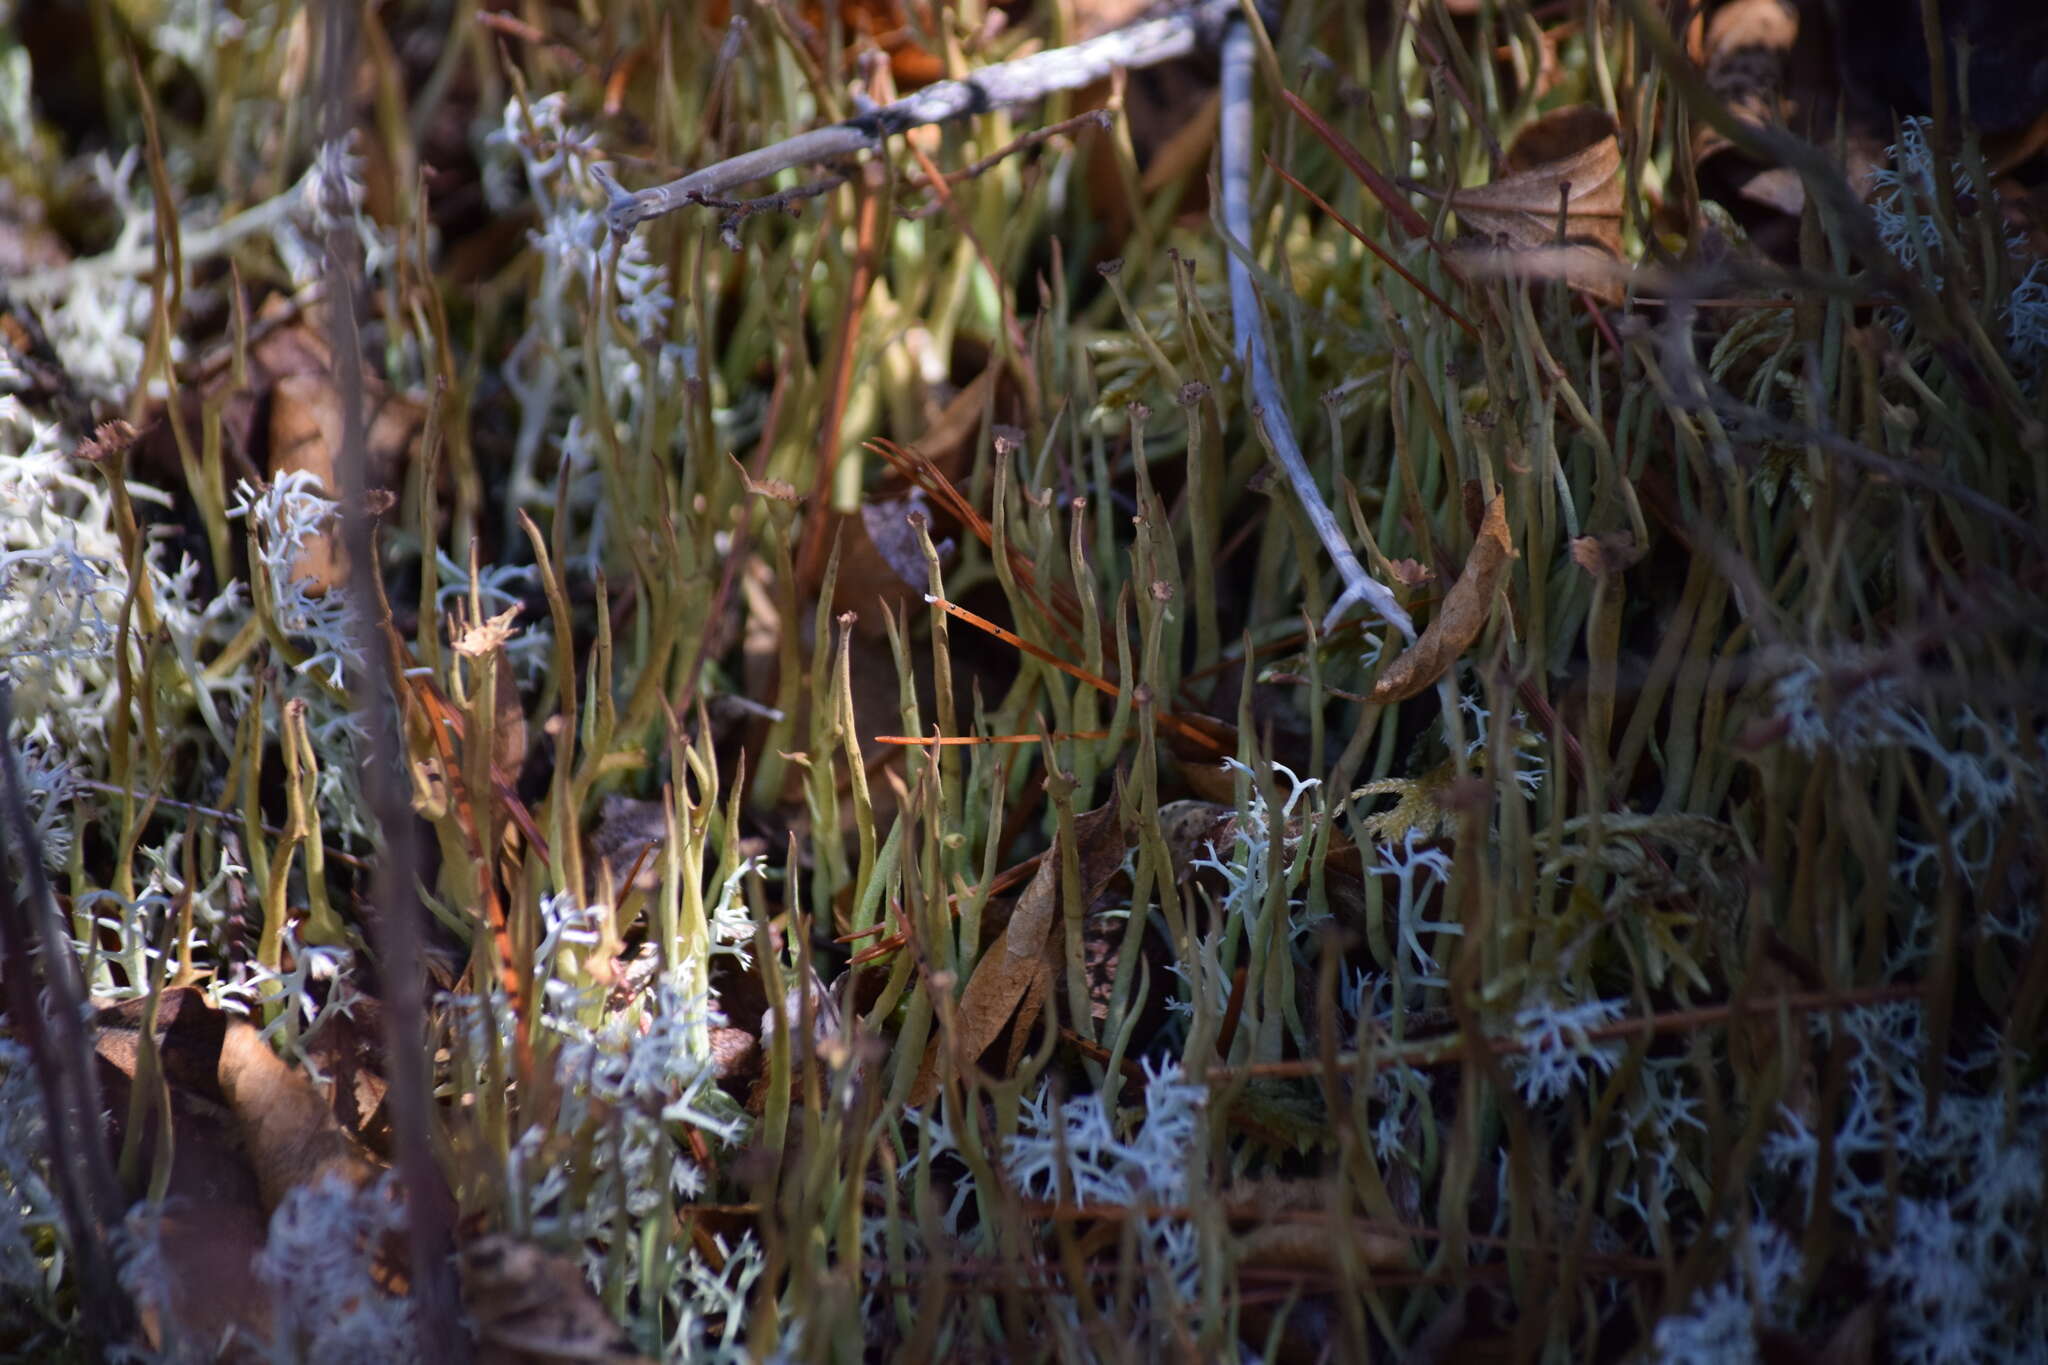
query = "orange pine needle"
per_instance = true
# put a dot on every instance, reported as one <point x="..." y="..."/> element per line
<point x="1166" y="719"/>
<point x="921" y="741"/>
<point x="1063" y="613"/>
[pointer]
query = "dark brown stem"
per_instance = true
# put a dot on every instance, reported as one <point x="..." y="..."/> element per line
<point x="51" y="1025"/>
<point x="435" y="1292"/>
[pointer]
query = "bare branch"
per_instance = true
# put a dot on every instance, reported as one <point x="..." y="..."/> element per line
<point x="1269" y="405"/>
<point x="1017" y="82"/>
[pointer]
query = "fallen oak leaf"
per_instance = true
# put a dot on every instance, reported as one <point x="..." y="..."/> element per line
<point x="288" y="1130"/>
<point x="1606" y="554"/>
<point x="1466" y="606"/>
<point x="1195" y="829"/>
<point x="1000" y="979"/>
<point x="1562" y="197"/>
<point x="1568" y="160"/>
<point x="212" y="1222"/>
<point x="1748" y="49"/>
<point x="1017" y="959"/>
<point x="306" y="436"/>
<point x="534" y="1308"/>
<point x="893" y="534"/>
<point x="1320" y="1246"/>
<point x="1036" y="991"/>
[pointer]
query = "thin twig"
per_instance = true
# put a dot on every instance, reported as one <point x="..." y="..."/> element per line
<point x="1016" y="82"/>
<point x="1457" y="1048"/>
<point x="787" y="201"/>
<point x="1757" y="423"/>
<point x="400" y="946"/>
<point x="211" y="812"/>
<point x="1100" y="119"/>
<point x="50" y="1023"/>
<point x="867" y="233"/>
<point x="1269" y="408"/>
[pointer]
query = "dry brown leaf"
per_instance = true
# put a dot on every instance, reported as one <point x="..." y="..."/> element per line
<point x="2007" y="152"/>
<point x="213" y="1221"/>
<point x="1748" y="48"/>
<point x="891" y="532"/>
<point x="950" y="435"/>
<point x="947" y="449"/>
<point x="866" y="24"/>
<point x="1197" y="743"/>
<point x="1854" y="1340"/>
<point x="347" y="1052"/>
<point x="1014" y="962"/>
<point x="1051" y="954"/>
<point x="1000" y="979"/>
<point x="1319" y="1246"/>
<point x="1094" y="17"/>
<point x="287" y="1129"/>
<point x="878" y="554"/>
<point x="1209" y="781"/>
<point x="306" y="434"/>
<point x="734" y="1053"/>
<point x="1102" y="949"/>
<point x="509" y="734"/>
<point x="1606" y="554"/>
<point x="1191" y="829"/>
<point x="627" y="836"/>
<point x="534" y="1308"/>
<point x="1309" y="1239"/>
<point x="1564" y="170"/>
<point x="248" y="1127"/>
<point x="1569" y="157"/>
<point x="1465" y="609"/>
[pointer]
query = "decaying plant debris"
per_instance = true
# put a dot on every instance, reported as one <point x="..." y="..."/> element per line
<point x="1015" y="680"/>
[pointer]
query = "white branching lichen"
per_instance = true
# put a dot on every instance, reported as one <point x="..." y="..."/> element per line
<point x="1557" y="1055"/>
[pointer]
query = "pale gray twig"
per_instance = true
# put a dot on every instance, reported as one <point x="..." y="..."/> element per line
<point x="1249" y="339"/>
<point x="1022" y="81"/>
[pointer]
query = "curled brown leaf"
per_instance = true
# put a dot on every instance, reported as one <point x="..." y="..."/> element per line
<point x="1563" y="190"/>
<point x="1019" y="958"/>
<point x="1606" y="554"/>
<point x="1465" y="609"/>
